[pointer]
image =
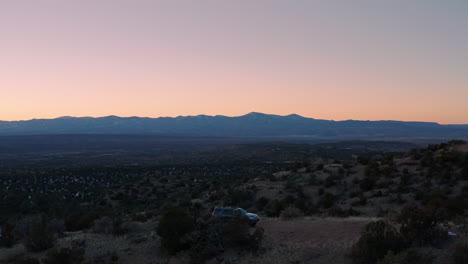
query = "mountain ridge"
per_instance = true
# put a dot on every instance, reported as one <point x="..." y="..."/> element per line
<point x="224" y="116"/>
<point x="253" y="124"/>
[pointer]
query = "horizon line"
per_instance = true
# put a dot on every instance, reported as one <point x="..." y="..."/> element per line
<point x="250" y="113"/>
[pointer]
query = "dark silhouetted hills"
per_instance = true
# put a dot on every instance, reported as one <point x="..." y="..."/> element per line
<point x="249" y="125"/>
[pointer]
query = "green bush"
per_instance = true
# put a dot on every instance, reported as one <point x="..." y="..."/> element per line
<point x="376" y="240"/>
<point x="40" y="236"/>
<point x="174" y="224"/>
<point x="409" y="256"/>
<point x="64" y="256"/>
<point x="460" y="255"/>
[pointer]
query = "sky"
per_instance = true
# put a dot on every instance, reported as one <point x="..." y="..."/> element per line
<point x="362" y="59"/>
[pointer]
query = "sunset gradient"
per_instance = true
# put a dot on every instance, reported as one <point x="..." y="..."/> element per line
<point x="366" y="60"/>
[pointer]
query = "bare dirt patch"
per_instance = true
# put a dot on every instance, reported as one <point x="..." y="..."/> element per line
<point x="309" y="240"/>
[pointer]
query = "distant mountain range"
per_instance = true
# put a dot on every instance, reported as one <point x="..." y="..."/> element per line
<point x="249" y="125"/>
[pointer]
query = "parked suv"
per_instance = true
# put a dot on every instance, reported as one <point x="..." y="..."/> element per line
<point x="228" y="212"/>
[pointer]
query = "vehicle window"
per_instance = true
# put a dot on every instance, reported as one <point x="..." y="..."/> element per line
<point x="241" y="211"/>
<point x="227" y="212"/>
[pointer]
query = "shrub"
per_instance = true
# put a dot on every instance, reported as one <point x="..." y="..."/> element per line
<point x="464" y="172"/>
<point x="273" y="208"/>
<point x="361" y="202"/>
<point x="24" y="260"/>
<point x="337" y="211"/>
<point x="103" y="225"/>
<point x="174" y="224"/>
<point x="327" y="200"/>
<point x="40" y="236"/>
<point x="7" y="238"/>
<point x="420" y="224"/>
<point x="460" y="255"/>
<point x="312" y="179"/>
<point x="256" y="238"/>
<point x="64" y="256"/>
<point x="200" y="253"/>
<point x="291" y="212"/>
<point x="409" y="256"/>
<point x="107" y="225"/>
<point x="367" y="184"/>
<point x="109" y="257"/>
<point x="320" y="191"/>
<point x="305" y="205"/>
<point x="57" y="226"/>
<point x="140" y="217"/>
<point x="456" y="205"/>
<point x="261" y="203"/>
<point x="330" y="181"/>
<point x="239" y="197"/>
<point x="363" y="160"/>
<point x="119" y="227"/>
<point x="405" y="178"/>
<point x="376" y="240"/>
<point x="236" y="233"/>
<point x="80" y="220"/>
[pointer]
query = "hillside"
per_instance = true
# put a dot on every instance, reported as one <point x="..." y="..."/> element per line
<point x="313" y="212"/>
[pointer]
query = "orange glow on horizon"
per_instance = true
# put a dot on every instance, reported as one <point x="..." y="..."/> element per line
<point x="151" y="59"/>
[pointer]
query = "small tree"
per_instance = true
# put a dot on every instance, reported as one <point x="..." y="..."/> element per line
<point x="40" y="236"/>
<point x="376" y="240"/>
<point x="175" y="223"/>
<point x="419" y="224"/>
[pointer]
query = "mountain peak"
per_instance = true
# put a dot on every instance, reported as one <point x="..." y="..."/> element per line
<point x="295" y="116"/>
<point x="256" y="114"/>
<point x="65" y="117"/>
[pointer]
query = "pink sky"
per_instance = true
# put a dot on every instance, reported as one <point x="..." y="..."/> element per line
<point x="367" y="60"/>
